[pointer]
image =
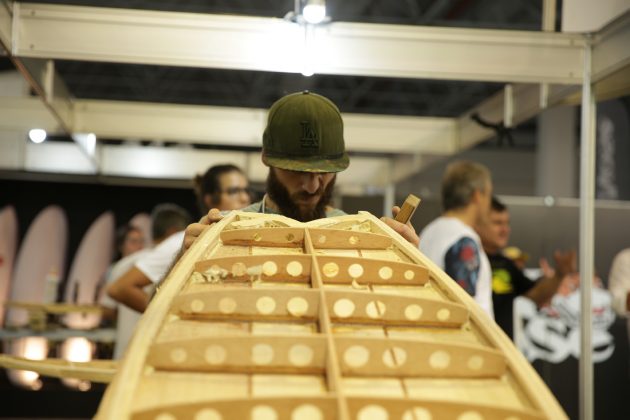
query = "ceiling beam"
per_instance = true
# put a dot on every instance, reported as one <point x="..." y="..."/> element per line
<point x="226" y="126"/>
<point x="232" y="126"/>
<point x="270" y="44"/>
<point x="611" y="51"/>
<point x="25" y="113"/>
<point x="170" y="163"/>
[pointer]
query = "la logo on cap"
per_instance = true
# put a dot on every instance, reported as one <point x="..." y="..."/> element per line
<point x="309" y="136"/>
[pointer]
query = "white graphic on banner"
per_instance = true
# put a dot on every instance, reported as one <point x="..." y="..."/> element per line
<point x="553" y="333"/>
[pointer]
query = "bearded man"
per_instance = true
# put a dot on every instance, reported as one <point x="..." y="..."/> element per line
<point x="304" y="148"/>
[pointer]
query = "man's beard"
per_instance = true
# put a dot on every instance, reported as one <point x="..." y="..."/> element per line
<point x="286" y="202"/>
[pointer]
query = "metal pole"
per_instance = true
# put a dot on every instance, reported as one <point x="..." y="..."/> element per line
<point x="587" y="200"/>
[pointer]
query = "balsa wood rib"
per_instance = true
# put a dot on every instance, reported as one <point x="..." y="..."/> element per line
<point x="340" y="318"/>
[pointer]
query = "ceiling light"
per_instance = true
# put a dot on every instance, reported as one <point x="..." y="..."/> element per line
<point x="37" y="135"/>
<point x="314" y="11"/>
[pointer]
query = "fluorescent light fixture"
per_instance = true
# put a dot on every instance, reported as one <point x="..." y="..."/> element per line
<point x="37" y="135"/>
<point x="314" y="11"/>
<point x="90" y="143"/>
<point x="87" y="141"/>
<point x="77" y="349"/>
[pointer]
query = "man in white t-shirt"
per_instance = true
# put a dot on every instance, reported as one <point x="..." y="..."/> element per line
<point x="222" y="186"/>
<point x="167" y="221"/>
<point x="451" y="242"/>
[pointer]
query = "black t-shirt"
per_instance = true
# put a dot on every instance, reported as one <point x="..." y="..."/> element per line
<point x="508" y="282"/>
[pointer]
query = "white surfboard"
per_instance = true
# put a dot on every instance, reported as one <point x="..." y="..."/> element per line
<point x="8" y="245"/>
<point x="40" y="260"/>
<point x="89" y="265"/>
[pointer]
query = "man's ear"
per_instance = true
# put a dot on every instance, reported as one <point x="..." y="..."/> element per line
<point x="476" y="197"/>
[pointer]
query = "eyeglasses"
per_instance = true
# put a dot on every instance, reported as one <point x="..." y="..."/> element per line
<point x="237" y="190"/>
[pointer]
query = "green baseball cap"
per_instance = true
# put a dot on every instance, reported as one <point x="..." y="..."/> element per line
<point x="305" y="133"/>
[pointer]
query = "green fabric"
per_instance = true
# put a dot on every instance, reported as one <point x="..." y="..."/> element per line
<point x="257" y="208"/>
<point x="305" y="133"/>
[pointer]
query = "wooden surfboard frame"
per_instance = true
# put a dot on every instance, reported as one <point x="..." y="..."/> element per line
<point x="333" y="303"/>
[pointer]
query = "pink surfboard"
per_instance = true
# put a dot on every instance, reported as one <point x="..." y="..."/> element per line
<point x="40" y="262"/>
<point x="89" y="265"/>
<point x="8" y="245"/>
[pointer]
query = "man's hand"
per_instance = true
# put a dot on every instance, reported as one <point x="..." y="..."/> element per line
<point x="566" y="263"/>
<point x="194" y="229"/>
<point x="405" y="230"/>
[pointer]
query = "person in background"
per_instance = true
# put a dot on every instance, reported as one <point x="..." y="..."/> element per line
<point x="508" y="279"/>
<point x="129" y="239"/>
<point x="224" y="187"/>
<point x="619" y="283"/>
<point x="166" y="220"/>
<point x="304" y="149"/>
<point x="451" y="242"/>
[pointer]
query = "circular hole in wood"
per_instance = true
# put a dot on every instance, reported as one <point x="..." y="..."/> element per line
<point x="208" y="414"/>
<point x="385" y="272"/>
<point x="409" y="275"/>
<point x="330" y="269"/>
<point x="321" y="239"/>
<point x="356" y="356"/>
<point x="470" y="415"/>
<point x="307" y="412"/>
<point x="264" y="412"/>
<point x="178" y="355"/>
<point x="269" y="268"/>
<point x="344" y="308"/>
<point x="215" y="354"/>
<point x="262" y="354"/>
<point x="257" y="237"/>
<point x="413" y="312"/>
<point x="239" y="269"/>
<point x="197" y="305"/>
<point x="417" y="413"/>
<point x="301" y="355"/>
<point x="353" y="240"/>
<point x="266" y="305"/>
<point x="375" y="309"/>
<point x="227" y="305"/>
<point x="439" y="360"/>
<point x="297" y="306"/>
<point x="475" y="363"/>
<point x="290" y="237"/>
<point x="373" y="412"/>
<point x="355" y="270"/>
<point x="443" y="314"/>
<point x="165" y="416"/>
<point x="394" y="357"/>
<point x="294" y="268"/>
